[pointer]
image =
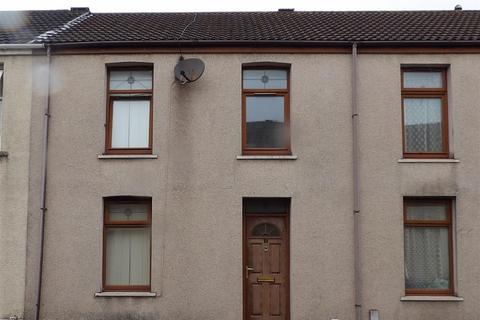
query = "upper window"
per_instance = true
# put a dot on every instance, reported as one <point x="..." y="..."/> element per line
<point x="428" y="246"/>
<point x="126" y="234"/>
<point x="425" y="113"/>
<point x="265" y="109"/>
<point x="129" y="111"/>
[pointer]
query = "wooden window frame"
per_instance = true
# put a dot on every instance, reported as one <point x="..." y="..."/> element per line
<point x="115" y="95"/>
<point x="447" y="202"/>
<point x="285" y="93"/>
<point x="441" y="93"/>
<point x="125" y="224"/>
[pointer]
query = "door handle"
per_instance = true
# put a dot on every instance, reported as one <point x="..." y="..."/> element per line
<point x="247" y="270"/>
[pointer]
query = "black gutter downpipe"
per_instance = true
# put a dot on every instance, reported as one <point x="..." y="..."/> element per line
<point x="356" y="190"/>
<point x="43" y="208"/>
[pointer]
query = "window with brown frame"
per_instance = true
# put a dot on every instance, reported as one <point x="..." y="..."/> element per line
<point x="127" y="244"/>
<point x="428" y="246"/>
<point x="129" y="110"/>
<point x="266" y="109"/>
<point x="425" y="113"/>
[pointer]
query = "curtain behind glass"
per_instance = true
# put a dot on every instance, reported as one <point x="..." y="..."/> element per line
<point x="423" y="124"/>
<point x="130" y="123"/>
<point x="128" y="256"/>
<point x="426" y="258"/>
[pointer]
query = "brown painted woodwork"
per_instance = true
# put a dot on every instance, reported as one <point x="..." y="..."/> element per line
<point x="440" y="93"/>
<point x="266" y="269"/>
<point x="107" y="223"/>
<point x="447" y="202"/>
<point x="113" y="95"/>
<point x="285" y="93"/>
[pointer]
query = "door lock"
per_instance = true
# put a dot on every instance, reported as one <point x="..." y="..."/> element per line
<point x="247" y="270"/>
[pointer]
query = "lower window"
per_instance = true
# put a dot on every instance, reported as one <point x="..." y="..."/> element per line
<point x="127" y="243"/>
<point x="428" y="246"/>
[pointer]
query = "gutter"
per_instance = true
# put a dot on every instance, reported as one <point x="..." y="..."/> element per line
<point x="21" y="46"/>
<point x="43" y="208"/>
<point x="279" y="43"/>
<point x="356" y="190"/>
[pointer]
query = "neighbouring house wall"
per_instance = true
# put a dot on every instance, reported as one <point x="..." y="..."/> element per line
<point x="385" y="181"/>
<point x="15" y="135"/>
<point x="197" y="185"/>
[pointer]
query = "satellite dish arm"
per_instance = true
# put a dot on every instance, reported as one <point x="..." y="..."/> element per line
<point x="185" y="76"/>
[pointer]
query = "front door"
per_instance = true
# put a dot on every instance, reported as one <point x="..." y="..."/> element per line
<point x="266" y="267"/>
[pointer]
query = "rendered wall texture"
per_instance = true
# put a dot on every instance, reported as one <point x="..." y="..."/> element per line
<point x="15" y="135"/>
<point x="197" y="185"/>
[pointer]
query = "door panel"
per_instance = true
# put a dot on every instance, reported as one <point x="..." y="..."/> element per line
<point x="266" y="267"/>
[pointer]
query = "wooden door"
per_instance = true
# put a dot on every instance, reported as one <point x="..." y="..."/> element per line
<point x="266" y="267"/>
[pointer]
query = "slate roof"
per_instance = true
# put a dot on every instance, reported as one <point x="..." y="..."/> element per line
<point x="268" y="27"/>
<point x="18" y="27"/>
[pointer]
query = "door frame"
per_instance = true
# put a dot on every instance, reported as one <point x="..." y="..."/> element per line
<point x="286" y="217"/>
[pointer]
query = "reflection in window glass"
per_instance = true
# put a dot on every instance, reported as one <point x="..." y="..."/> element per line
<point x="423" y="124"/>
<point x="265" y="121"/>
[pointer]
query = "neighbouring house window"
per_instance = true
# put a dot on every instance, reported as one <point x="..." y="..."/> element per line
<point x="425" y="113"/>
<point x="266" y="110"/>
<point x="127" y="242"/>
<point x="129" y="111"/>
<point x="428" y="246"/>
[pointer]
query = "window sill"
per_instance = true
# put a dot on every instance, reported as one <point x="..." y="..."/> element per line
<point x="432" y="298"/>
<point x="428" y="160"/>
<point x="3" y="154"/>
<point x="133" y="294"/>
<point x="279" y="157"/>
<point x="127" y="156"/>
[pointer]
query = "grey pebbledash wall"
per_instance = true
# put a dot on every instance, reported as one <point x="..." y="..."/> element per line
<point x="197" y="185"/>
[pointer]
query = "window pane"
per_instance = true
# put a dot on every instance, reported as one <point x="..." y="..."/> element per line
<point x="426" y="211"/>
<point x="128" y="212"/>
<point x="265" y="122"/>
<point x="425" y="79"/>
<point x="426" y="258"/>
<point x="130" y="123"/>
<point x="264" y="79"/>
<point x="423" y="124"/>
<point x="266" y="205"/>
<point x="131" y="80"/>
<point x="128" y="256"/>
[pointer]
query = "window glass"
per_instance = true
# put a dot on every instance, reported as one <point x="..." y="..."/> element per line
<point x="127" y="256"/>
<point x="427" y="258"/>
<point x="130" y="123"/>
<point x="128" y="212"/>
<point x="265" y="121"/>
<point x="265" y="230"/>
<point x="266" y="205"/>
<point x="423" y="124"/>
<point x="422" y="79"/>
<point x="427" y="211"/>
<point x="130" y="79"/>
<point x="264" y="79"/>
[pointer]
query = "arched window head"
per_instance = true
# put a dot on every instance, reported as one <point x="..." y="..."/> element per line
<point x="265" y="230"/>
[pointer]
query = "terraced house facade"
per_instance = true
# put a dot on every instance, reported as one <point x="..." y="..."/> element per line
<point x="323" y="166"/>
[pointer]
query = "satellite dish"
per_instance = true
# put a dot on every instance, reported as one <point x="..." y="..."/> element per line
<point x="189" y="70"/>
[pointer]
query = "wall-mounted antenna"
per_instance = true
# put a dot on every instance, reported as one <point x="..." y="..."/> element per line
<point x="183" y="31"/>
<point x="188" y="70"/>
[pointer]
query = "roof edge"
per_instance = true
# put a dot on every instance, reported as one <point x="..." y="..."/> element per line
<point x="269" y="43"/>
